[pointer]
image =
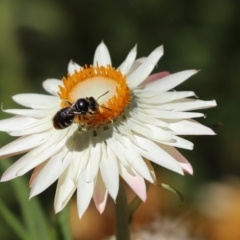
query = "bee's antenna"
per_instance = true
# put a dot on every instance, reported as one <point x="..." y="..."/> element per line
<point x="102" y="95"/>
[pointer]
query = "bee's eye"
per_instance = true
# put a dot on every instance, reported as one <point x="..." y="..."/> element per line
<point x="82" y="105"/>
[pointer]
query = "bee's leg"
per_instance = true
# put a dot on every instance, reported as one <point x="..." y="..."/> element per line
<point x="78" y="113"/>
<point x="89" y="116"/>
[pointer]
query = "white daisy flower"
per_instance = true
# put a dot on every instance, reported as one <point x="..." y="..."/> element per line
<point x="111" y="122"/>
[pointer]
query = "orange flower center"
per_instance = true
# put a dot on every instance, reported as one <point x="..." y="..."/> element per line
<point x="108" y="88"/>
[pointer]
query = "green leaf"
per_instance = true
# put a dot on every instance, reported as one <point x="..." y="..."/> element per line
<point x="34" y="218"/>
<point x="62" y="225"/>
<point x="12" y="221"/>
<point x="173" y="190"/>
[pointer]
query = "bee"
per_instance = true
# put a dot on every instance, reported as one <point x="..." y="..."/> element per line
<point x="83" y="106"/>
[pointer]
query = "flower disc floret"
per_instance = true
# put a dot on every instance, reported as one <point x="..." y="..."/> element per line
<point x="92" y="81"/>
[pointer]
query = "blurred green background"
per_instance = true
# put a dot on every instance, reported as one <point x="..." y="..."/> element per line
<point x="38" y="39"/>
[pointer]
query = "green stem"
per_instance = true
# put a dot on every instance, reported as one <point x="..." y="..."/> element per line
<point x="122" y="214"/>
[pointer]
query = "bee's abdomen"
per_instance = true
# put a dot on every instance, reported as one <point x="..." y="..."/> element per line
<point x="63" y="118"/>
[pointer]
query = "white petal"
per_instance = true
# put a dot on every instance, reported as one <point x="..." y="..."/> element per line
<point x="117" y="149"/>
<point x="169" y="114"/>
<point x="145" y="118"/>
<point x="125" y="130"/>
<point x="170" y="81"/>
<point x="80" y="154"/>
<point x="84" y="194"/>
<point x="81" y="140"/>
<point x="157" y="98"/>
<point x="52" y="86"/>
<point x="189" y="127"/>
<point x="187" y="105"/>
<point x="126" y="65"/>
<point x="93" y="162"/>
<point x="135" y="181"/>
<point x="28" y="112"/>
<point x="37" y="101"/>
<point x="134" y="158"/>
<point x="34" y="157"/>
<point x="79" y="143"/>
<point x="151" y="169"/>
<point x="154" y="153"/>
<point x="43" y="152"/>
<point x="41" y="125"/>
<point x="72" y="67"/>
<point x="22" y="144"/>
<point x="135" y="65"/>
<point x="64" y="192"/>
<point x="179" y="142"/>
<point x="50" y="173"/>
<point x="15" y="123"/>
<point x="109" y="172"/>
<point x="149" y="131"/>
<point x="143" y="71"/>
<point x="78" y="163"/>
<point x="102" y="56"/>
<point x="100" y="194"/>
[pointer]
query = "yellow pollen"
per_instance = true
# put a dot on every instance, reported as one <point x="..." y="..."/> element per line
<point x="105" y="84"/>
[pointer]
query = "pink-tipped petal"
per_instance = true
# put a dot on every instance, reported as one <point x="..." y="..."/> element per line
<point x="100" y="194"/>
<point x="143" y="71"/>
<point x="186" y="166"/>
<point x="135" y="181"/>
<point x="155" y="77"/>
<point x="154" y="153"/>
<point x="35" y="173"/>
<point x="170" y="81"/>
